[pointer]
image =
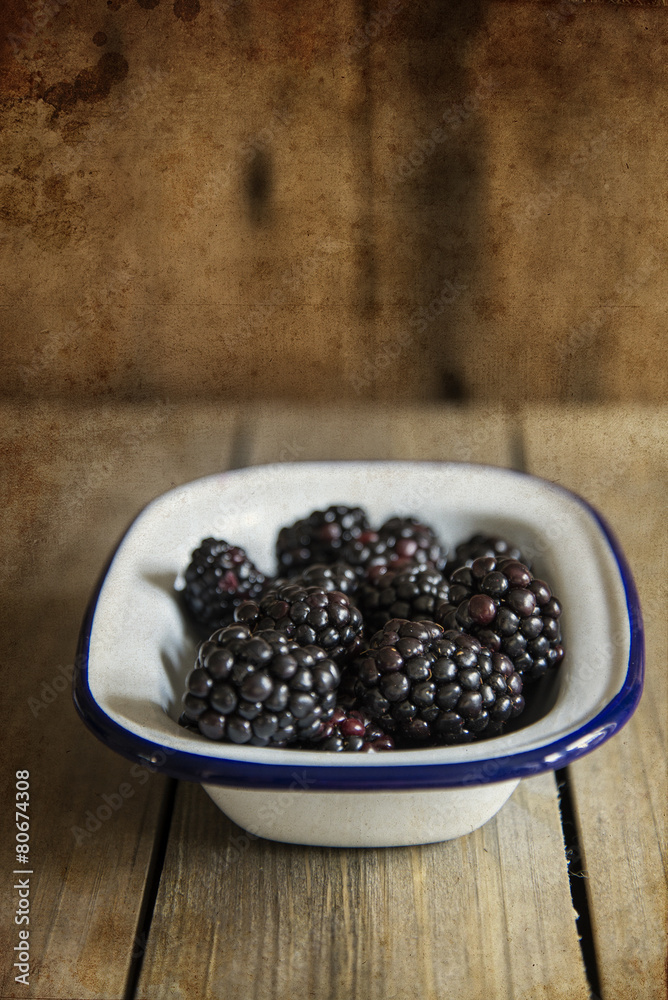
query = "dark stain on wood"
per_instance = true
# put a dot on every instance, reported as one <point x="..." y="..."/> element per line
<point x="89" y="84"/>
<point x="258" y="186"/>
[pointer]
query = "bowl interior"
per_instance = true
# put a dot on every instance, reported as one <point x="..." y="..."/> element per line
<point x="141" y="646"/>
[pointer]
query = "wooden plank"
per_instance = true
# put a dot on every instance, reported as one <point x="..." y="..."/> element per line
<point x="456" y="433"/>
<point x="292" y="191"/>
<point x="72" y="481"/>
<point x="496" y="134"/>
<point x="618" y="460"/>
<point x="486" y="915"/>
<point x="239" y="917"/>
<point x="249" y="120"/>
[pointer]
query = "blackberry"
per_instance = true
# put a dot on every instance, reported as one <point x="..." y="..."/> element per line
<point x="478" y="546"/>
<point x="262" y="689"/>
<point x="413" y="593"/>
<point x="337" y="576"/>
<point x="400" y="542"/>
<point x="310" y="616"/>
<point x="318" y="538"/>
<point x="348" y="730"/>
<point x="219" y="577"/>
<point x="411" y="539"/>
<point x="508" y="610"/>
<point x="422" y="684"/>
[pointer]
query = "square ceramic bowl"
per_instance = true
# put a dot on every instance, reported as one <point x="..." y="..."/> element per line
<point x="136" y="649"/>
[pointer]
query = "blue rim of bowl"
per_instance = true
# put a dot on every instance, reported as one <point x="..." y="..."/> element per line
<point x="393" y="777"/>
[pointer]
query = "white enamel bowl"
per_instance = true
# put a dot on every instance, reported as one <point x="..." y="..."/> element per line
<point x="136" y="650"/>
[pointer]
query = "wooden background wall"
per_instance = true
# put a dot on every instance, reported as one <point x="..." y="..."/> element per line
<point x="440" y="199"/>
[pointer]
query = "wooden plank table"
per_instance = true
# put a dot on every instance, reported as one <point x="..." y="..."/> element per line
<point x="164" y="897"/>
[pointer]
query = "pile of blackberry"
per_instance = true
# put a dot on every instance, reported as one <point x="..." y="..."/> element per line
<point x="367" y="639"/>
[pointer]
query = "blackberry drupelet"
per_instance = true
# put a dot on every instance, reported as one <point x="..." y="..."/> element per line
<point x="310" y="616"/>
<point x="318" y="538"/>
<point x="399" y="542"/>
<point x="508" y="610"/>
<point x="423" y="684"/>
<point x="413" y="593"/>
<point x="352" y="731"/>
<point x="219" y="577"/>
<point x="262" y="689"/>
<point x="478" y="546"/>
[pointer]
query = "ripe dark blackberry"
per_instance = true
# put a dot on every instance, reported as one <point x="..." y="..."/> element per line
<point x="424" y="684"/>
<point x="413" y="593"/>
<point x="262" y="689"/>
<point x="510" y="611"/>
<point x="478" y="546"/>
<point x="318" y="538"/>
<point x="310" y="616"/>
<point x="220" y="576"/>
<point x="337" y="576"/>
<point x="400" y="542"/>
<point x="352" y="731"/>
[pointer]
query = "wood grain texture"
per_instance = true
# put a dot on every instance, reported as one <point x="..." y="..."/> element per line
<point x="449" y="199"/>
<point x="619" y="461"/>
<point x="288" y="432"/>
<point x="231" y="218"/>
<point x="486" y="915"/>
<point x="507" y="134"/>
<point x="72" y="481"/>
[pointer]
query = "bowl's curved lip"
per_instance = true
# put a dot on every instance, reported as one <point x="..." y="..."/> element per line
<point x="393" y="777"/>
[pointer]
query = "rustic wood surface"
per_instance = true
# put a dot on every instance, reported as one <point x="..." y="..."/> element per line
<point x="486" y="915"/>
<point x="363" y="201"/>
<point x="72" y="481"/>
<point x="458" y="917"/>
<point x="619" y="461"/>
<point x="235" y="916"/>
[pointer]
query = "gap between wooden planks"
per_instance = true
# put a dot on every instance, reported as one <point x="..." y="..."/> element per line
<point x="487" y="915"/>
<point x="74" y="478"/>
<point x="618" y="460"/>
